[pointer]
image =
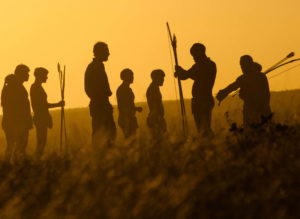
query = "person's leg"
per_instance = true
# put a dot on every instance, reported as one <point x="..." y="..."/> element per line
<point x="112" y="130"/>
<point x="207" y="123"/>
<point x="10" y="140"/>
<point x="41" y="135"/>
<point x="196" y="113"/>
<point x="197" y="120"/>
<point x="21" y="144"/>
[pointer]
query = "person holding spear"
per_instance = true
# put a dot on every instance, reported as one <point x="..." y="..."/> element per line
<point x="203" y="72"/>
<point x="42" y="118"/>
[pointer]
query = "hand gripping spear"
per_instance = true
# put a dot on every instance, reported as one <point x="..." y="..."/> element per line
<point x="183" y="114"/>
<point x="63" y="130"/>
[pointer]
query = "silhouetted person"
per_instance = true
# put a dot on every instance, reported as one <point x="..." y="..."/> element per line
<point x="17" y="118"/>
<point x="42" y="118"/>
<point x="8" y="118"/>
<point x="254" y="91"/>
<point x="97" y="88"/>
<point x="155" y="120"/>
<point x="127" y="109"/>
<point x="203" y="72"/>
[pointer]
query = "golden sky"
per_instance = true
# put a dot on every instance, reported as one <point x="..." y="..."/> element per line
<point x="40" y="33"/>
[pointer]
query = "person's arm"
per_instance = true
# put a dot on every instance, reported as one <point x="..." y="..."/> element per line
<point x="222" y="94"/>
<point x="181" y="73"/>
<point x="139" y="109"/>
<point x="58" y="104"/>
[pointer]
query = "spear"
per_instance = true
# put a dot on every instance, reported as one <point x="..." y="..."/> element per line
<point x="62" y="83"/>
<point x="183" y="114"/>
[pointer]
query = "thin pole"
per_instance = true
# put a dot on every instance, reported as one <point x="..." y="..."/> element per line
<point x="63" y="131"/>
<point x="183" y="112"/>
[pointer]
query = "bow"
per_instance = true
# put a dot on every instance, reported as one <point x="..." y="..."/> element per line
<point x="294" y="60"/>
<point x="182" y="106"/>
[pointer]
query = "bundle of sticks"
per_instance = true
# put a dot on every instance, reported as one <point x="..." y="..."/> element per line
<point x="63" y="130"/>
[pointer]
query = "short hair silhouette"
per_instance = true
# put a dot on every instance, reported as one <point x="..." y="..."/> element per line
<point x="21" y="69"/>
<point x="197" y="48"/>
<point x="39" y="72"/>
<point x="99" y="48"/>
<point x="158" y="73"/>
<point x="125" y="73"/>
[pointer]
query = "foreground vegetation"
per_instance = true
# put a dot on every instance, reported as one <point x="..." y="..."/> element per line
<point x="241" y="173"/>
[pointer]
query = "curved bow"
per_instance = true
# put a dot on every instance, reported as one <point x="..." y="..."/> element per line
<point x="183" y="114"/>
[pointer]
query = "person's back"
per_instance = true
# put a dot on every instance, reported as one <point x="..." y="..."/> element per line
<point x="22" y="107"/>
<point x="96" y="82"/>
<point x="17" y="114"/>
<point x="254" y="90"/>
<point x="203" y="73"/>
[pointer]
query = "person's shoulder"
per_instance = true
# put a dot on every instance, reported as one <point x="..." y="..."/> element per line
<point x="211" y="62"/>
<point x="120" y="90"/>
<point x="35" y="88"/>
<point x="92" y="65"/>
<point x="150" y="89"/>
<point x="262" y="76"/>
<point x="240" y="78"/>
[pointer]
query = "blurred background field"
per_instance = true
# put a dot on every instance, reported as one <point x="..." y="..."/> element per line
<point x="236" y="175"/>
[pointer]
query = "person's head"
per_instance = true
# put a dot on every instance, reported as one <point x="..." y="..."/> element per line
<point x="127" y="75"/>
<point x="158" y="76"/>
<point x="9" y="79"/>
<point x="41" y="74"/>
<point x="246" y="63"/>
<point x="101" y="51"/>
<point x="198" y="51"/>
<point x="22" y="72"/>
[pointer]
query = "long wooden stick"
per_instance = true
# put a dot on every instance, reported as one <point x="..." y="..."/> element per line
<point x="183" y="112"/>
<point x="63" y="131"/>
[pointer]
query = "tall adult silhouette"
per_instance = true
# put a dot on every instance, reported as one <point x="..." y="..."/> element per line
<point x="17" y="120"/>
<point x="254" y="91"/>
<point x="42" y="118"/>
<point x="203" y="72"/>
<point x="127" y="109"/>
<point x="155" y="120"/>
<point x="98" y="90"/>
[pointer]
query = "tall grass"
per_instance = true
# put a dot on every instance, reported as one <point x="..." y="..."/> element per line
<point x="239" y="174"/>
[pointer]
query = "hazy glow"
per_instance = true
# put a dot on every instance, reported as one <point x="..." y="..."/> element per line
<point x="41" y="33"/>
